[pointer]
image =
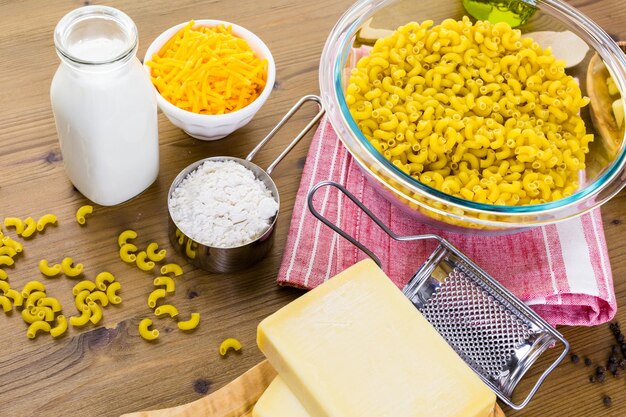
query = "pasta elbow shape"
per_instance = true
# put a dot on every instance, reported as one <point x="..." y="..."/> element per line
<point x="176" y="269"/>
<point x="60" y="328"/>
<point x="82" y="212"/>
<point x="229" y="343"/>
<point x="190" y="324"/>
<point x="125" y="236"/>
<point x="83" y="319"/>
<point x="17" y="298"/>
<point x="6" y="260"/>
<point x="38" y="326"/>
<point x="126" y="253"/>
<point x="168" y="309"/>
<point x="85" y="285"/>
<point x="145" y="332"/>
<point x="99" y="296"/>
<point x="154" y="297"/>
<point x="45" y="220"/>
<point x="96" y="312"/>
<point x="168" y="282"/>
<point x="30" y="227"/>
<point x="14" y="222"/>
<point x="112" y="293"/>
<point x="31" y="286"/>
<point x="5" y="303"/>
<point x="49" y="271"/>
<point x="103" y="279"/>
<point x="7" y="241"/>
<point x="153" y="255"/>
<point x="69" y="270"/>
<point x="142" y="263"/>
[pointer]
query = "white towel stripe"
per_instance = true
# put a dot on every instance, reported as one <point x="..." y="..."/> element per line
<point x="301" y="223"/>
<point x="318" y="226"/>
<point x="605" y="268"/>
<point x="334" y="244"/>
<point x="549" y="255"/>
<point x="578" y="267"/>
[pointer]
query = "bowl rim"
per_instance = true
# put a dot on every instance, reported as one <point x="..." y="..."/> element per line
<point x="256" y="45"/>
<point x="333" y="60"/>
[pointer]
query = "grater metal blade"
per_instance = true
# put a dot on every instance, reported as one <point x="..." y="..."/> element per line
<point x="493" y="331"/>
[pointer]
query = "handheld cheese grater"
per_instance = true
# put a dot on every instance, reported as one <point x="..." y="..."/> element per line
<point x="493" y="331"/>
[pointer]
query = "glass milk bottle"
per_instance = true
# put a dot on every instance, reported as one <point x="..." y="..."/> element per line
<point x="104" y="106"/>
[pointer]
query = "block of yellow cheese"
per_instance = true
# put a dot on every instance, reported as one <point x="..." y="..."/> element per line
<point x="278" y="401"/>
<point x="356" y="347"/>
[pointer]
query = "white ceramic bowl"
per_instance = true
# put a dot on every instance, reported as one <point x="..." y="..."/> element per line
<point x="206" y="126"/>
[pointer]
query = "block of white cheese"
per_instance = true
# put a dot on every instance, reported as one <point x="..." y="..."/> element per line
<point x="278" y="401"/>
<point x="356" y="347"/>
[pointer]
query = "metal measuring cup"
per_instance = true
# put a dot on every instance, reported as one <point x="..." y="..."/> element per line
<point x="230" y="259"/>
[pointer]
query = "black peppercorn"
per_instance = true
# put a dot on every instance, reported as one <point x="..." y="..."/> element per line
<point x="588" y="362"/>
<point x="592" y="379"/>
<point x="620" y="338"/>
<point x="600" y="370"/>
<point x="607" y="401"/>
<point x="575" y="358"/>
<point x="617" y="373"/>
<point x="600" y="378"/>
<point x="612" y="367"/>
<point x="615" y="350"/>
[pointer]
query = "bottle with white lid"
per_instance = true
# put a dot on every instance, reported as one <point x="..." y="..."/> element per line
<point x="104" y="106"/>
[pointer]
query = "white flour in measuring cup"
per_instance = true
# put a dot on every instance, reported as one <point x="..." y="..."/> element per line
<point x="221" y="204"/>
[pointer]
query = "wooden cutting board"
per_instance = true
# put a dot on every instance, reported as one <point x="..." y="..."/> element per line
<point x="236" y="399"/>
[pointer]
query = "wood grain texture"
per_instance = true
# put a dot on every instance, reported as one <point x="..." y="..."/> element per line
<point x="110" y="370"/>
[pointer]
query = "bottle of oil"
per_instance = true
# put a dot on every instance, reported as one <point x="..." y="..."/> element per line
<point x="513" y="12"/>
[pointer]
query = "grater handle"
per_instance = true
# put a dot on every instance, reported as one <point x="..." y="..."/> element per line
<point x="365" y="210"/>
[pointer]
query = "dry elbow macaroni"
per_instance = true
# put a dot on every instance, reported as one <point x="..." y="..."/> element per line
<point x="112" y="293"/>
<point x="49" y="271"/>
<point x="473" y="110"/>
<point x="45" y="220"/>
<point x="14" y="222"/>
<point x="30" y="227"/>
<point x="165" y="281"/>
<point x="172" y="268"/>
<point x="154" y="297"/>
<point x="153" y="255"/>
<point x="126" y="253"/>
<point x="123" y="238"/>
<point x="190" y="324"/>
<point x="69" y="270"/>
<point x="229" y="343"/>
<point x="82" y="212"/>
<point x="103" y="279"/>
<point x="168" y="309"/>
<point x="142" y="263"/>
<point x="146" y="333"/>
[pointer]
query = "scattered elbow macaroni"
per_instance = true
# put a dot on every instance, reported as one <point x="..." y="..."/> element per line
<point x="190" y="324"/>
<point x="229" y="343"/>
<point x="142" y="263"/>
<point x="49" y="271"/>
<point x="16" y="223"/>
<point x="125" y="236"/>
<point x="45" y="220"/>
<point x="7" y="241"/>
<point x="166" y="281"/>
<point x="154" y="297"/>
<point x="153" y="255"/>
<point x="168" y="309"/>
<point x="473" y="110"/>
<point x="82" y="212"/>
<point x="103" y="280"/>
<point x="145" y="332"/>
<point x="30" y="227"/>
<point x="172" y="268"/>
<point x="126" y="253"/>
<point x="69" y="270"/>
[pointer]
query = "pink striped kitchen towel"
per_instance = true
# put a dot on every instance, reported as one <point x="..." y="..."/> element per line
<point x="562" y="271"/>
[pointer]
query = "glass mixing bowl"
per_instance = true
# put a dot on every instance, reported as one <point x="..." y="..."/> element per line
<point x="603" y="177"/>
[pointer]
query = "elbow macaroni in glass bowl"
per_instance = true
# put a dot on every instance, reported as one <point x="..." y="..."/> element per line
<point x="472" y="125"/>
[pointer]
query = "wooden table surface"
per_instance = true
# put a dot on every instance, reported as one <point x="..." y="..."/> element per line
<point x="109" y="370"/>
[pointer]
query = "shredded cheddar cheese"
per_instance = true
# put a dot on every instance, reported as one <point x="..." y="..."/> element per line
<point x="208" y="70"/>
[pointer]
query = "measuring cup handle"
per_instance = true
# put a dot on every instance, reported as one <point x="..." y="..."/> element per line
<point x="282" y="122"/>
